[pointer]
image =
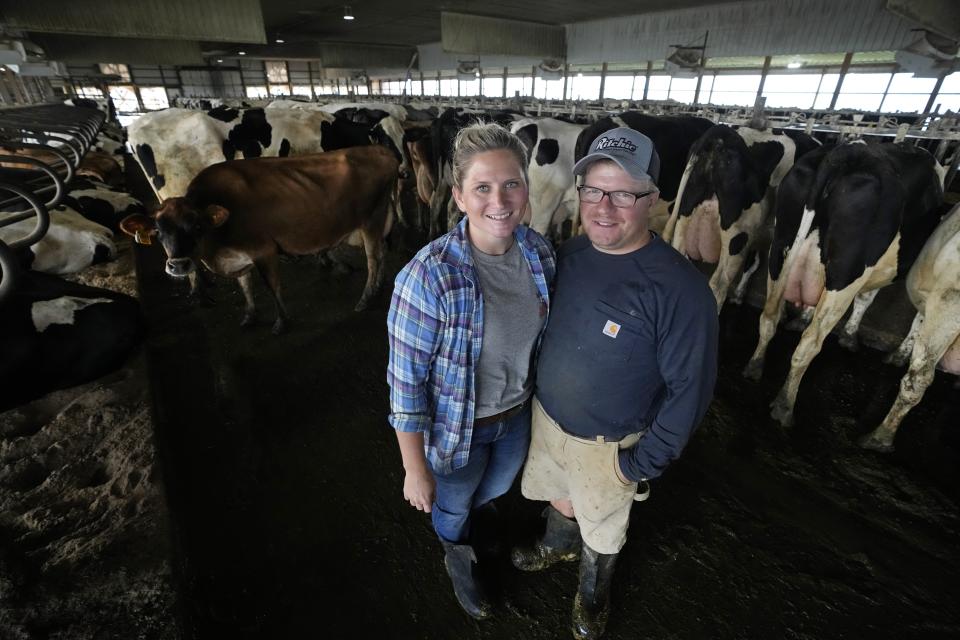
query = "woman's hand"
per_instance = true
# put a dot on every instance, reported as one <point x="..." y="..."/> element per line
<point x="419" y="489"/>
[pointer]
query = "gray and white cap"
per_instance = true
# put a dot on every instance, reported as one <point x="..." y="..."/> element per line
<point x="630" y="149"/>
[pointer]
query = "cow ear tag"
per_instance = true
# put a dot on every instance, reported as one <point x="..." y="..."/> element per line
<point x="143" y="237"/>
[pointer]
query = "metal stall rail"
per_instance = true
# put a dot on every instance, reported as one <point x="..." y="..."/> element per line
<point x="40" y="150"/>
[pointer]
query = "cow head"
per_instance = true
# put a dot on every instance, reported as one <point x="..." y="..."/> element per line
<point x="179" y="225"/>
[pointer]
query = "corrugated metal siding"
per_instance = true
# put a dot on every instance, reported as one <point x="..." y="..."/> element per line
<point x="462" y="33"/>
<point x="743" y="29"/>
<point x="224" y="20"/>
<point x="433" y="58"/>
<point x="126" y="50"/>
<point x="298" y="73"/>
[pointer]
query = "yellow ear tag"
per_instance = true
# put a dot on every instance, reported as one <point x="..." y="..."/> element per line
<point x="142" y="238"/>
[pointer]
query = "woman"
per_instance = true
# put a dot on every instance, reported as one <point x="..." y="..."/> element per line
<point x="464" y="323"/>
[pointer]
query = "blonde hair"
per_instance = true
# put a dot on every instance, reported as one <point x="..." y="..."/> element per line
<point x="480" y="138"/>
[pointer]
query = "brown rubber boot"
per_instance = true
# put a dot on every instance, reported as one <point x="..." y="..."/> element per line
<point x="560" y="543"/>
<point x="591" y="607"/>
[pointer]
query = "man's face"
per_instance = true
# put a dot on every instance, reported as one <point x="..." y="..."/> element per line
<point x="614" y="229"/>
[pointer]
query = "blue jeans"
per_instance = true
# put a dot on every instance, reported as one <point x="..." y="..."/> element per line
<point x="497" y="452"/>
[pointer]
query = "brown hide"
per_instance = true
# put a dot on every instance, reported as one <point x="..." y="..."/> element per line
<point x="297" y="205"/>
<point x="426" y="181"/>
<point x="101" y="166"/>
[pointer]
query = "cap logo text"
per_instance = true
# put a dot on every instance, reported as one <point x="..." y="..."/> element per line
<point x="616" y="143"/>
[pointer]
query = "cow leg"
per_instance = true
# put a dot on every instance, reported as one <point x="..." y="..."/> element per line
<point x="438" y="202"/>
<point x="769" y="319"/>
<point x="727" y="269"/>
<point x="200" y="285"/>
<point x="679" y="237"/>
<point x="453" y="214"/>
<point x="901" y="356"/>
<point x="932" y="342"/>
<point x="832" y="306"/>
<point x="374" y="247"/>
<point x="269" y="269"/>
<point x="848" y="336"/>
<point x="741" y="290"/>
<point x="249" y="310"/>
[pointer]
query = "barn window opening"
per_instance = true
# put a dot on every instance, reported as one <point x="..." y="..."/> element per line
<point x="154" y="98"/>
<point x="112" y="69"/>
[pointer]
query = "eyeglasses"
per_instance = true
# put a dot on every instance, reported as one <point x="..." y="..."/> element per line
<point x="619" y="199"/>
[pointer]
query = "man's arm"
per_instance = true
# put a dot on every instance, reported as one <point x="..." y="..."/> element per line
<point x="687" y="359"/>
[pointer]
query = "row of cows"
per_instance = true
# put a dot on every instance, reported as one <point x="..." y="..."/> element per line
<point x="55" y="332"/>
<point x="839" y="222"/>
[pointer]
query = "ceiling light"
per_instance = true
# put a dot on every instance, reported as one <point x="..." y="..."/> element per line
<point x="794" y="65"/>
<point x="242" y="53"/>
<point x="347" y="13"/>
<point x="219" y="59"/>
<point x="279" y="40"/>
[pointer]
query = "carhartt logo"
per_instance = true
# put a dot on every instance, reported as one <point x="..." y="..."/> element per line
<point x="611" y="329"/>
<point x="616" y="143"/>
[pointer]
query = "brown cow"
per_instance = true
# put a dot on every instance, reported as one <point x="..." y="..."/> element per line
<point x="101" y="166"/>
<point x="242" y="214"/>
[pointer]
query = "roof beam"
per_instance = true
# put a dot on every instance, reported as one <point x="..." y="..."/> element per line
<point x="939" y="16"/>
<point x="210" y="20"/>
<point x="463" y="33"/>
<point x="331" y="54"/>
<point x="81" y="49"/>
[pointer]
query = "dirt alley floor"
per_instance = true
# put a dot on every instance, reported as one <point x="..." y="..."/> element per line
<point x="284" y="482"/>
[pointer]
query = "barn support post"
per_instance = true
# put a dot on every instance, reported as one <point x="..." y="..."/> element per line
<point x="313" y="91"/>
<point x="843" y="72"/>
<point x="603" y="79"/>
<point x="646" y="82"/>
<point x="763" y="77"/>
<point x="566" y="75"/>
<point x="934" y="94"/>
<point x="504" y="83"/>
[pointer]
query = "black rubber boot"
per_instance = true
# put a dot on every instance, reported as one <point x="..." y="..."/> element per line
<point x="486" y="531"/>
<point x="560" y="543"/>
<point x="591" y="607"/>
<point x="459" y="561"/>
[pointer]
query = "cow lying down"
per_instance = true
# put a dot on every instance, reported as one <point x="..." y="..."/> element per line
<point x="242" y="214"/>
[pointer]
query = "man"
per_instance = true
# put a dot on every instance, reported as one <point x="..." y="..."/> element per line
<point x="626" y="371"/>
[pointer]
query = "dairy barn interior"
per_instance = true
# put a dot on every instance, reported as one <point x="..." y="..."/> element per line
<point x="168" y="473"/>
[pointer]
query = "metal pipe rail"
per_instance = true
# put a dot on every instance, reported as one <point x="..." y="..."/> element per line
<point x="37" y="182"/>
<point x="60" y="135"/>
<point x="9" y="266"/>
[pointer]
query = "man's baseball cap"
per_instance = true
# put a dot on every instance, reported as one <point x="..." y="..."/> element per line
<point x="630" y="149"/>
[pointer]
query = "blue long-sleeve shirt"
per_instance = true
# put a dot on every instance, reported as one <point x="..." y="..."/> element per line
<point x="435" y="327"/>
<point x="631" y="346"/>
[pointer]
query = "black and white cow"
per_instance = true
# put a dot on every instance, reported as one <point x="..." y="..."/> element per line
<point x="98" y="203"/>
<point x="174" y="145"/>
<point x="56" y="334"/>
<point x="933" y="285"/>
<point x="673" y="137"/>
<point x="72" y="242"/>
<point x="865" y="217"/>
<point x="726" y="196"/>
<point x="550" y="147"/>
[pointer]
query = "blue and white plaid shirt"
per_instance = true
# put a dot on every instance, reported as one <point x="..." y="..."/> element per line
<point x="435" y="327"/>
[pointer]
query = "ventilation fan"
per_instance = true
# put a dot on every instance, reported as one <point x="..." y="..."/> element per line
<point x="550" y="69"/>
<point x="468" y="70"/>
<point x="930" y="56"/>
<point x="684" y="62"/>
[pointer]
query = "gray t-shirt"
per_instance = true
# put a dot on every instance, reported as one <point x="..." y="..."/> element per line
<point x="512" y="320"/>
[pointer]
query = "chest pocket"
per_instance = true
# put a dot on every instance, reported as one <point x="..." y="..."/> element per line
<point x="611" y="334"/>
